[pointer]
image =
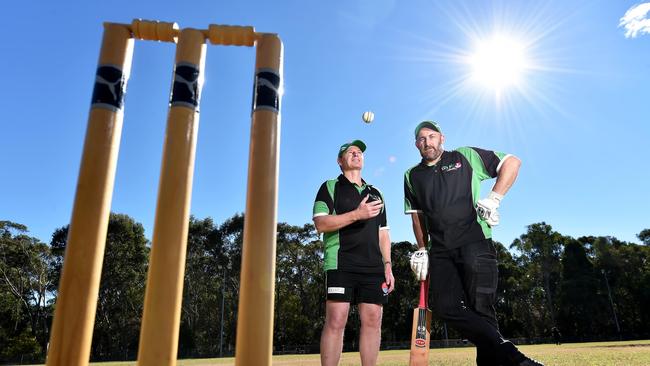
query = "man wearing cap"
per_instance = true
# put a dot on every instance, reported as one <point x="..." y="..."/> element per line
<point x="442" y="197"/>
<point x="351" y="215"/>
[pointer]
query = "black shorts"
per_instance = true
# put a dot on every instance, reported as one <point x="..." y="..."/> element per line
<point x="356" y="287"/>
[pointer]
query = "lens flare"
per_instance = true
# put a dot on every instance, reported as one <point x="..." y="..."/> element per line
<point x="498" y="63"/>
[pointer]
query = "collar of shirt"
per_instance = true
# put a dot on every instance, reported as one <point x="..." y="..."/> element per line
<point x="343" y="179"/>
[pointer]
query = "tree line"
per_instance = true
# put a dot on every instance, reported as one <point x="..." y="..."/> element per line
<point x="590" y="288"/>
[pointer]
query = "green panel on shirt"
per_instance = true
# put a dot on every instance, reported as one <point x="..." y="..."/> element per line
<point x="332" y="245"/>
<point x="407" y="179"/>
<point x="475" y="161"/>
<point x="479" y="173"/>
<point x="331" y="186"/>
<point x="320" y="207"/>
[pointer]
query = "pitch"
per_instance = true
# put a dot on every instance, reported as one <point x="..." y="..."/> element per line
<point x="628" y="353"/>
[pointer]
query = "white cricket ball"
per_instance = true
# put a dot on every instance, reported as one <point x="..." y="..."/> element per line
<point x="368" y="116"/>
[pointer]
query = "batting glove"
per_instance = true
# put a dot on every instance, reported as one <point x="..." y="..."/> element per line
<point x="487" y="208"/>
<point x="420" y="264"/>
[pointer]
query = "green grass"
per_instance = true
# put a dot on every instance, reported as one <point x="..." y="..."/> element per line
<point x="629" y="353"/>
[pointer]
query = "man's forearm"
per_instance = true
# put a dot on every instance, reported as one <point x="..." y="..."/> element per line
<point x="418" y="229"/>
<point x="507" y="175"/>
<point x="384" y="246"/>
<point x="329" y="223"/>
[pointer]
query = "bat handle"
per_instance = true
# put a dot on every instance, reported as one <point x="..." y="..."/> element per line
<point x="423" y="295"/>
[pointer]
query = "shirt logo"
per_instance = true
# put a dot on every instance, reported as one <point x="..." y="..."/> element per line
<point x="450" y="167"/>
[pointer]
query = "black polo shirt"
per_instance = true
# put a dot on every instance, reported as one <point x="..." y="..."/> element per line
<point x="446" y="194"/>
<point x="353" y="248"/>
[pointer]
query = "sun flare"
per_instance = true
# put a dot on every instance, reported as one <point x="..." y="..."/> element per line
<point x="501" y="63"/>
<point x="498" y="63"/>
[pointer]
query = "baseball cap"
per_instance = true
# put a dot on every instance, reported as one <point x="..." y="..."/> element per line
<point x="428" y="124"/>
<point x="357" y="143"/>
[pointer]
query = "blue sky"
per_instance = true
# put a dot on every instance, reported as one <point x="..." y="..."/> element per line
<point x="578" y="116"/>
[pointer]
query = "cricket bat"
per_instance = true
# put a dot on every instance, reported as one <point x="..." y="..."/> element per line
<point x="421" y="335"/>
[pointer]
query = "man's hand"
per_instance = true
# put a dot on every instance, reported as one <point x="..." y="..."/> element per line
<point x="420" y="264"/>
<point x="367" y="210"/>
<point x="487" y="208"/>
<point x="388" y="276"/>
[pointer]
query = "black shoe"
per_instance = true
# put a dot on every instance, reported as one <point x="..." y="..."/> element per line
<point x="530" y="362"/>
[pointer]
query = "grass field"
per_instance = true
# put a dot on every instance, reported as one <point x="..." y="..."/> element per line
<point x="630" y="353"/>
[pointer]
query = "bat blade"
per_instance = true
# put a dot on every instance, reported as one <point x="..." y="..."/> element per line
<point x="421" y="333"/>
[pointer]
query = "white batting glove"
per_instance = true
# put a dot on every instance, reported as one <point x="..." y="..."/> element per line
<point x="487" y="208"/>
<point x="420" y="264"/>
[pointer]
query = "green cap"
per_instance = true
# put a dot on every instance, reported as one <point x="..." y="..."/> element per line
<point x="357" y="143"/>
<point x="428" y="124"/>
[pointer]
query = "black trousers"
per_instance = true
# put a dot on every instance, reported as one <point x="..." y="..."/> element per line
<point x="463" y="288"/>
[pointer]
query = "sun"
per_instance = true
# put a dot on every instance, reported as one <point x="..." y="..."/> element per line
<point x="503" y="62"/>
<point x="498" y="63"/>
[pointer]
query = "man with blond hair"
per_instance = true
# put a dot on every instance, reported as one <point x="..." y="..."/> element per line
<point x="352" y="217"/>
